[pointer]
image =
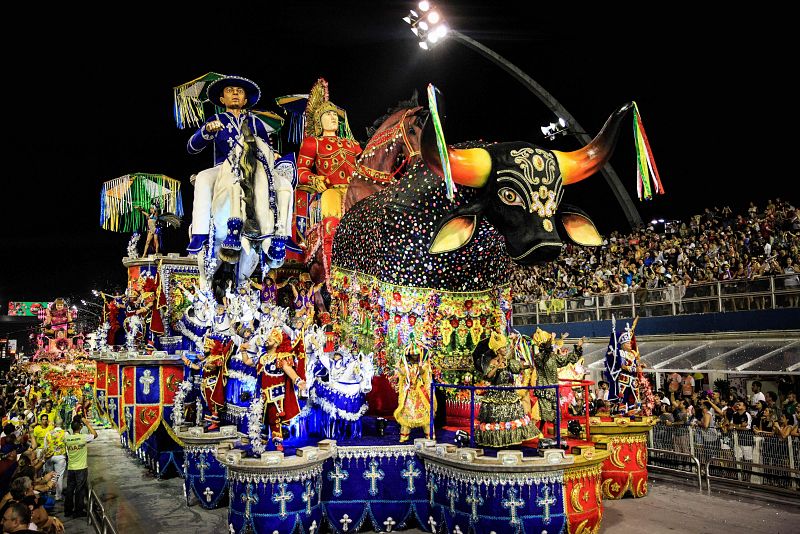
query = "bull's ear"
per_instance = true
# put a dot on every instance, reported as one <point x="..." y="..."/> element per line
<point x="579" y="227"/>
<point x="457" y="230"/>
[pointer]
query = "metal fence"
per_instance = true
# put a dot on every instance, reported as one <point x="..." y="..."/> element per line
<point x="737" y="456"/>
<point x="764" y="293"/>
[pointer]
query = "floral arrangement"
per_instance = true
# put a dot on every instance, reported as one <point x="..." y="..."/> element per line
<point x="254" y="426"/>
<point x="177" y="403"/>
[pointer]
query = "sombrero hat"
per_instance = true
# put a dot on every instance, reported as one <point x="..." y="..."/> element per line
<point x="215" y="88"/>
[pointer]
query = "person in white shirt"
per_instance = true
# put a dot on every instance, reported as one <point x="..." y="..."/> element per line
<point x="757" y="395"/>
<point x="602" y="390"/>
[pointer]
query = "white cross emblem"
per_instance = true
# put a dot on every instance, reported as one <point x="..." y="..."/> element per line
<point x="512" y="503"/>
<point x="345" y="521"/>
<point x="474" y="500"/>
<point x="338" y="475"/>
<point x="313" y="527"/>
<point x="410" y="473"/>
<point x="308" y="497"/>
<point x="432" y="522"/>
<point x="145" y="380"/>
<point x="389" y="523"/>
<point x="452" y="495"/>
<point x="249" y="499"/>
<point x="202" y="465"/>
<point x="458" y="530"/>
<point x="433" y="488"/>
<point x="373" y="475"/>
<point x="282" y="499"/>
<point x="208" y="493"/>
<point x="546" y="501"/>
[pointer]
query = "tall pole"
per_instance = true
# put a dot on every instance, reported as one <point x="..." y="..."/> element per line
<point x="625" y="201"/>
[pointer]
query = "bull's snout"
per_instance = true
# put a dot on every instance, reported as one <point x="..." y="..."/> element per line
<point x="540" y="252"/>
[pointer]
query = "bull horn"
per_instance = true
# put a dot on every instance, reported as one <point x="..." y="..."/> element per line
<point x="582" y="163"/>
<point x="468" y="166"/>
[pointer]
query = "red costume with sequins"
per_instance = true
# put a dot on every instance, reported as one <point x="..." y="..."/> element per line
<point x="213" y="371"/>
<point x="277" y="387"/>
<point x="334" y="159"/>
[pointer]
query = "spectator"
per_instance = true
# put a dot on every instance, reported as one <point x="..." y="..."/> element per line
<point x="757" y="395"/>
<point x="17" y="519"/>
<point x="742" y="421"/>
<point x="687" y="385"/>
<point x="77" y="467"/>
<point x="602" y="390"/>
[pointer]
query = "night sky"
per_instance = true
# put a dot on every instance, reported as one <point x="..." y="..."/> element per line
<point x="88" y="102"/>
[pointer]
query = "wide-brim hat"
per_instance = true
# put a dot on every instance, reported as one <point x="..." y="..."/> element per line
<point x="215" y="88"/>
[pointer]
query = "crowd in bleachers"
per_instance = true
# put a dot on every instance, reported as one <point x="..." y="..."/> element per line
<point x="716" y="245"/>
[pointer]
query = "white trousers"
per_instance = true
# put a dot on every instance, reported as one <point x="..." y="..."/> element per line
<point x="58" y="464"/>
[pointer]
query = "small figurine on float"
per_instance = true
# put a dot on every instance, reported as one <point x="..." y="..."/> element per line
<point x="241" y="379"/>
<point x="268" y="288"/>
<point x="502" y="418"/>
<point x="414" y="375"/>
<point x="58" y="317"/>
<point x="276" y="366"/>
<point x="218" y="346"/>
<point x="623" y="369"/>
<point x="112" y="309"/>
<point x="338" y="403"/>
<point x="549" y="356"/>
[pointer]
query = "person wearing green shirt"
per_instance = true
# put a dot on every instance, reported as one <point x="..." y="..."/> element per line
<point x="77" y="466"/>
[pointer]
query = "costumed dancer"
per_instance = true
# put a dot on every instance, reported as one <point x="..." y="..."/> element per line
<point x="152" y="228"/>
<point x="548" y="358"/>
<point x="276" y="366"/>
<point x="523" y="350"/>
<point x="260" y="201"/>
<point x="414" y="387"/>
<point x="325" y="165"/>
<point x="502" y="418"/>
<point x="622" y="368"/>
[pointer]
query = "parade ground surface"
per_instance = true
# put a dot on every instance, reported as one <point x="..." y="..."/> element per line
<point x="136" y="502"/>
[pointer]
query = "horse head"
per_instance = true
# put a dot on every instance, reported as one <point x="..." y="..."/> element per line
<point x="394" y="142"/>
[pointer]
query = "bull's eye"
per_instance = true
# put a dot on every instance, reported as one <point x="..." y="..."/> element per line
<point x="510" y="197"/>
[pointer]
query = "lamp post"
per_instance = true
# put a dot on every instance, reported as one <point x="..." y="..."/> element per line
<point x="432" y="30"/>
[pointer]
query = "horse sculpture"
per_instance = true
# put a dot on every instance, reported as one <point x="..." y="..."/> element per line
<point x="394" y="144"/>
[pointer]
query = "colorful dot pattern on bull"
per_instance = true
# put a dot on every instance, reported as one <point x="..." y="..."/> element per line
<point x="388" y="234"/>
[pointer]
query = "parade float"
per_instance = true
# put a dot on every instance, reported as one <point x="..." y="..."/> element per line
<point x="326" y="413"/>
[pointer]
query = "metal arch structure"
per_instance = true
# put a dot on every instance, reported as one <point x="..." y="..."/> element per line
<point x="613" y="181"/>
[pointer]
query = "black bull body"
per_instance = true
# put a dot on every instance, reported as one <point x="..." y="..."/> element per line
<point x="507" y="207"/>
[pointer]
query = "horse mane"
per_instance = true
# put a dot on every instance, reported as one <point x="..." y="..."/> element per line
<point x="403" y="104"/>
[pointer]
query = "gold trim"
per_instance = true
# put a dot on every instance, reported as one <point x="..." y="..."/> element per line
<point x="641" y="457"/>
<point x="575" y="498"/>
<point x="614" y="458"/>
<point x="583" y="472"/>
<point x="641" y="488"/>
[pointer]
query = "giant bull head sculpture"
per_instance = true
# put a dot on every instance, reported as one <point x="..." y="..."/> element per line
<point x="519" y="188"/>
